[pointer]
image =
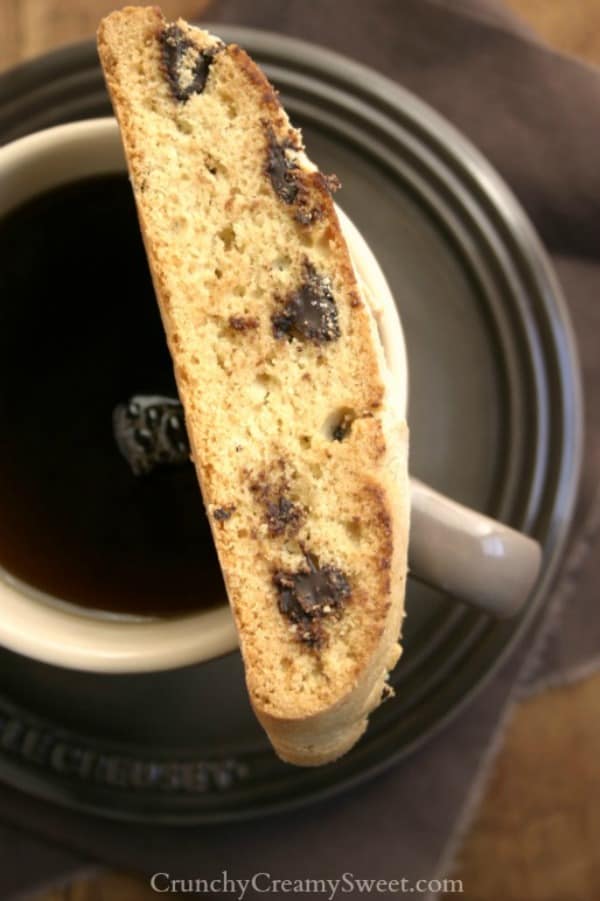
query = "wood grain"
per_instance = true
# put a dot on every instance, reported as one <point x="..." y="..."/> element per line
<point x="104" y="887"/>
<point x="572" y="26"/>
<point x="30" y="27"/>
<point x="535" y="837"/>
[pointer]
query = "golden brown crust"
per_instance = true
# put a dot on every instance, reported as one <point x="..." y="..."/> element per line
<point x="239" y="230"/>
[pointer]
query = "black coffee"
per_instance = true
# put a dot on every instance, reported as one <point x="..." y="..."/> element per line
<point x="79" y="333"/>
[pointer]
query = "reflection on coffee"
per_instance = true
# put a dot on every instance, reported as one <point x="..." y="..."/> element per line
<point x="80" y="332"/>
<point x="150" y="432"/>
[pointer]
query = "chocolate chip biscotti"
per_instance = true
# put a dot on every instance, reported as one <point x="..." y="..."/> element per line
<point x="300" y="454"/>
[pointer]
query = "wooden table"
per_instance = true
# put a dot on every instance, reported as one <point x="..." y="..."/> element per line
<point x="536" y="834"/>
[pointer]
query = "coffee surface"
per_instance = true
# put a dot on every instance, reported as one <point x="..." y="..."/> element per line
<point x="80" y="333"/>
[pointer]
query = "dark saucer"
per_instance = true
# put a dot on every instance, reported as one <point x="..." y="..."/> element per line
<point x="495" y="417"/>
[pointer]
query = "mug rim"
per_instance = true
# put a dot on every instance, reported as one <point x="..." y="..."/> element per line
<point x="57" y="632"/>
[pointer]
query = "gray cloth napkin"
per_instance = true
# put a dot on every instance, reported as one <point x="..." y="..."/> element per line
<point x="536" y="115"/>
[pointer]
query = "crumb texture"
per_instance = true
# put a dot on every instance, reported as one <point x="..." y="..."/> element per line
<point x="300" y="459"/>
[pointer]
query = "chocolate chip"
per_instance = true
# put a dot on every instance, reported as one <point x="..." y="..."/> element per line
<point x="150" y="431"/>
<point x="223" y="513"/>
<point x="309" y="595"/>
<point x="310" y="312"/>
<point x="243" y="323"/>
<point x="281" y="170"/>
<point x="186" y="66"/>
<point x="283" y="516"/>
<point x="343" y="425"/>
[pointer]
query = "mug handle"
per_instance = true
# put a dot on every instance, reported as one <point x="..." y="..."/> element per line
<point x="470" y="556"/>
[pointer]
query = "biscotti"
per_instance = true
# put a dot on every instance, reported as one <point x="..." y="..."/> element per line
<point x="300" y="454"/>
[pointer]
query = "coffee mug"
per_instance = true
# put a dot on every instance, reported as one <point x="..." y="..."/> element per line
<point x="468" y="555"/>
